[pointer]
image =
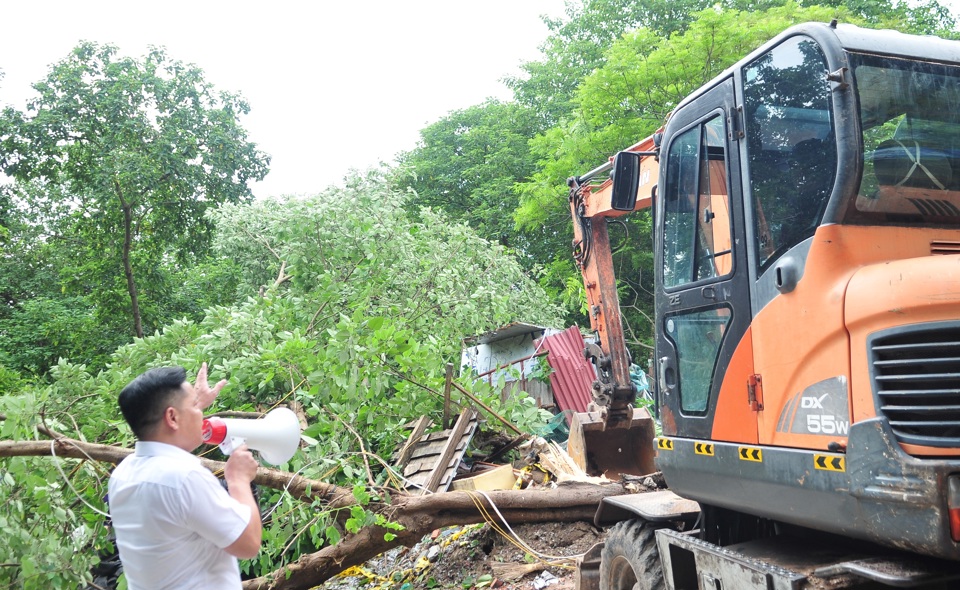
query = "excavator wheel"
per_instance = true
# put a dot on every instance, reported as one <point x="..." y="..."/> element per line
<point x="630" y="559"/>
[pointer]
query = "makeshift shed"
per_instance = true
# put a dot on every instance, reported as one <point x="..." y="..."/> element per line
<point x="520" y="356"/>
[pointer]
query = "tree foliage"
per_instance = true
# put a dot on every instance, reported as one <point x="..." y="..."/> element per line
<point x="134" y="152"/>
<point x="467" y="163"/>
<point x="578" y="42"/>
<point x="368" y="309"/>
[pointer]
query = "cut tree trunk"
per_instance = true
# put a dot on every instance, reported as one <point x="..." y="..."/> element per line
<point x="422" y="514"/>
<point x="419" y="515"/>
<point x="336" y="497"/>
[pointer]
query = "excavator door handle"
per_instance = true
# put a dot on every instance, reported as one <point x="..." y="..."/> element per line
<point x="667" y="376"/>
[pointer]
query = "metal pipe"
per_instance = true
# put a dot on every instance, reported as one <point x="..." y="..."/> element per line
<point x="598" y="170"/>
<point x="607" y="166"/>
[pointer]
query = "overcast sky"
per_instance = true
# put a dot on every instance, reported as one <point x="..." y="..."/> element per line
<point x="331" y="85"/>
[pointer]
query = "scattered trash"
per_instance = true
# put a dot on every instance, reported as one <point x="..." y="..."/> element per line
<point x="486" y="477"/>
<point x="544" y="579"/>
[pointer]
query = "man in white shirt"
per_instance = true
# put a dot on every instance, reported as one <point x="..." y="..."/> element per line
<point x="176" y="526"/>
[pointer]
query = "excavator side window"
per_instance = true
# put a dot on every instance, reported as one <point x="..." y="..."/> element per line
<point x="791" y="145"/>
<point x="697" y="337"/>
<point x="696" y="218"/>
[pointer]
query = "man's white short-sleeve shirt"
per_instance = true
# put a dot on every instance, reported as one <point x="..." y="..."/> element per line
<point x="173" y="519"/>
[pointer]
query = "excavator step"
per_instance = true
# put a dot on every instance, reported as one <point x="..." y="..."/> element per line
<point x="788" y="563"/>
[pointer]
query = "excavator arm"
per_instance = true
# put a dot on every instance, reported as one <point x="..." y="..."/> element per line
<point x="612" y="435"/>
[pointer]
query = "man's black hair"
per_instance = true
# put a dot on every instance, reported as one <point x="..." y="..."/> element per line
<point x="145" y="399"/>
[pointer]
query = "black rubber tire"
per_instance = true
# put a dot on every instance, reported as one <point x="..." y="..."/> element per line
<point x="630" y="560"/>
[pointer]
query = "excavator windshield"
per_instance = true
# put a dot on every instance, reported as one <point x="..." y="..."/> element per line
<point x="791" y="144"/>
<point x="910" y="118"/>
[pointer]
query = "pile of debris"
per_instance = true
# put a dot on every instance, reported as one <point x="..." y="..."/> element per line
<point x="492" y="554"/>
<point x="435" y="462"/>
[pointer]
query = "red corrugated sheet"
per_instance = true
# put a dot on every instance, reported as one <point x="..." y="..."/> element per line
<point x="572" y="374"/>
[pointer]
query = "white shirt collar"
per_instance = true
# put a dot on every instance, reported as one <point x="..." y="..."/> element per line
<point x="151" y="448"/>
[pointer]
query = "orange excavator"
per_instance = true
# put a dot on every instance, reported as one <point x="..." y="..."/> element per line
<point x="806" y="213"/>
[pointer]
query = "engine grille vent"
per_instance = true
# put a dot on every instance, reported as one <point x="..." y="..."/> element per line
<point x="944" y="247"/>
<point x="917" y="379"/>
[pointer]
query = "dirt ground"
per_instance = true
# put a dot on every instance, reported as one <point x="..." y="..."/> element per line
<point x="478" y="556"/>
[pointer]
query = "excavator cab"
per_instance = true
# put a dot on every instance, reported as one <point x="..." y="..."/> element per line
<point x="807" y="241"/>
<point x="807" y="232"/>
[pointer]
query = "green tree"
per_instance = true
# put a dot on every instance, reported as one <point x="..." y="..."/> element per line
<point x="578" y="42"/>
<point x="49" y="312"/>
<point x="357" y="249"/>
<point x="39" y="322"/>
<point x="137" y="151"/>
<point x="467" y="163"/>
<point x="922" y="18"/>
<point x="369" y="307"/>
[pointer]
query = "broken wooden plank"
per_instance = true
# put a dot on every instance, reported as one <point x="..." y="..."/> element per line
<point x="418" y="429"/>
<point x="449" y="451"/>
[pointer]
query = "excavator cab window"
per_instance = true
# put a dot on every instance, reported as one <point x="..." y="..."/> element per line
<point x="791" y="145"/>
<point x="697" y="336"/>
<point x="910" y="117"/>
<point x="696" y="207"/>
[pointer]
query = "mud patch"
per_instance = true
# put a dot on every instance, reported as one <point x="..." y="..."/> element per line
<point x="478" y="556"/>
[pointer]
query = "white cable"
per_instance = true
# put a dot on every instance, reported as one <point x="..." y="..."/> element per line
<point x="56" y="464"/>
<point x="519" y="540"/>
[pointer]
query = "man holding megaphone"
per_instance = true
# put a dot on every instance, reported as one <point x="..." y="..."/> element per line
<point x="176" y="526"/>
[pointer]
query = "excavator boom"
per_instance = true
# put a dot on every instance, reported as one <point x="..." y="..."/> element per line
<point x="612" y="436"/>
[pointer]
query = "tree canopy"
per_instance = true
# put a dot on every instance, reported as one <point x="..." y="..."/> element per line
<point x="130" y="154"/>
<point x="360" y="310"/>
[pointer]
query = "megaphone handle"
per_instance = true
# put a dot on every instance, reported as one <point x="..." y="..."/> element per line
<point x="230" y="444"/>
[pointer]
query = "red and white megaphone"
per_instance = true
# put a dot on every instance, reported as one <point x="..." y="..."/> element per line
<point x="276" y="436"/>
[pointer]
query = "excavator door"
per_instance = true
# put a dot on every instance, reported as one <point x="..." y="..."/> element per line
<point x="703" y="299"/>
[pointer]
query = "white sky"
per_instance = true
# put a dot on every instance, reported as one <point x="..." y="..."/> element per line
<point x="332" y="85"/>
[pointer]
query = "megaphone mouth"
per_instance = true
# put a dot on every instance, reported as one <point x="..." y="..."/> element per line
<point x="214" y="431"/>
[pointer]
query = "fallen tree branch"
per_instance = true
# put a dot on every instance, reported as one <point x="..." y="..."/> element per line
<point x="418" y="515"/>
<point x="302" y="488"/>
<point x="422" y="514"/>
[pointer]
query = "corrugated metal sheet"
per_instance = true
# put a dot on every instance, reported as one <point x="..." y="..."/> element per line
<point x="572" y="374"/>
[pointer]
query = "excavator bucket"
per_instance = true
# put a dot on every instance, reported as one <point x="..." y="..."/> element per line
<point x="611" y="451"/>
